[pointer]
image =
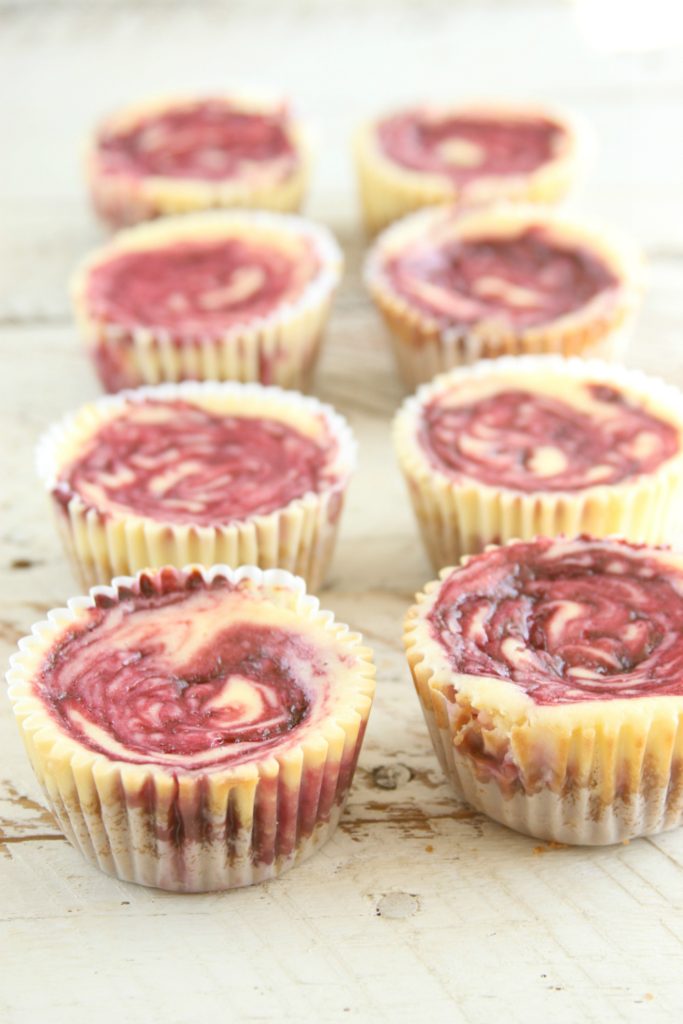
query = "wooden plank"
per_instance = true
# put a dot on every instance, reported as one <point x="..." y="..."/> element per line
<point x="418" y="908"/>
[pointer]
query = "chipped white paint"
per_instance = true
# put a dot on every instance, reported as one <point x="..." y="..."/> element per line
<point x="419" y="908"/>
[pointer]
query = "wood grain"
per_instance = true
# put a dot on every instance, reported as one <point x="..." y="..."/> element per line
<point x="419" y="908"/>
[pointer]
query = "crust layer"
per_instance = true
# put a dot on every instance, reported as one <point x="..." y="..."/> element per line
<point x="197" y="831"/>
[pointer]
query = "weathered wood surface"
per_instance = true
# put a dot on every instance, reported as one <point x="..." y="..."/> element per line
<point x="418" y="908"/>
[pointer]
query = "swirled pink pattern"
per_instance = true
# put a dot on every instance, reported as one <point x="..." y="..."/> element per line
<point x="209" y="140"/>
<point x="566" y="621"/>
<point x="183" y="677"/>
<point x="500" y="145"/>
<point x="198" y="288"/>
<point x="181" y="463"/>
<point x="497" y="439"/>
<point x="522" y="281"/>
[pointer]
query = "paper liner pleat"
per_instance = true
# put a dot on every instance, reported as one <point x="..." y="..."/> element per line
<point x="454" y="522"/>
<point x="133" y="824"/>
<point x="199" y="831"/>
<point x="121" y="204"/>
<point x="300" y="540"/>
<point x="285" y="354"/>
<point x="420" y="358"/>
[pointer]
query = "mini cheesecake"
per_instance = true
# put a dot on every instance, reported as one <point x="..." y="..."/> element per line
<point x="198" y="473"/>
<point x="454" y="287"/>
<point x="194" y="730"/>
<point x="550" y="673"/>
<point x="240" y="295"/>
<point x="468" y="155"/>
<point x="541" y="445"/>
<point x="178" y="155"/>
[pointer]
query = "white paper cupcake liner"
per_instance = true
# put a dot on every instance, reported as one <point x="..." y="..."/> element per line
<point x="585" y="773"/>
<point x="300" y="537"/>
<point x="281" y="348"/>
<point x="200" y="830"/>
<point x="460" y="517"/>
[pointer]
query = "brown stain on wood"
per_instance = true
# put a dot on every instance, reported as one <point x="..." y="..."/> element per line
<point x="39" y="607"/>
<point x="548" y="847"/>
<point x="10" y="633"/>
<point x="410" y="819"/>
<point x="11" y="795"/>
<point x="30" y="830"/>
<point x="46" y="838"/>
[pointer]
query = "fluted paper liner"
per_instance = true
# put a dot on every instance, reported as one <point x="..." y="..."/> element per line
<point x="389" y="191"/>
<point x="280" y="348"/>
<point x="299" y="537"/>
<point x="423" y="347"/>
<point x="461" y="516"/>
<point x="125" y="200"/>
<point x="587" y="773"/>
<point x="198" y="830"/>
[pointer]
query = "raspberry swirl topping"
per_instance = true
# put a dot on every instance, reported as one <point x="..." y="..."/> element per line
<point x="467" y="146"/>
<point x="566" y="621"/>
<point x="521" y="280"/>
<point x="182" y="463"/>
<point x="527" y="440"/>
<point x="208" y="676"/>
<point x="199" y="288"/>
<point x="210" y="140"/>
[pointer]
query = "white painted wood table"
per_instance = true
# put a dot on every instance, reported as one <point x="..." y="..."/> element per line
<point x="418" y="908"/>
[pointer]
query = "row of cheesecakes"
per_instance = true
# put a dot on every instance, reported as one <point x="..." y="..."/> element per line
<point x="245" y="295"/>
<point x="198" y="728"/>
<point x="179" y="155"/>
<point x="240" y="473"/>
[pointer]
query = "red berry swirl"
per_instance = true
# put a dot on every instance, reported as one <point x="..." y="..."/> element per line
<point x="181" y="463"/>
<point x="566" y="621"/>
<point x="189" y="678"/>
<point x="209" y="140"/>
<point x="200" y="288"/>
<point x="464" y="147"/>
<point x="521" y="281"/>
<point x="530" y="441"/>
